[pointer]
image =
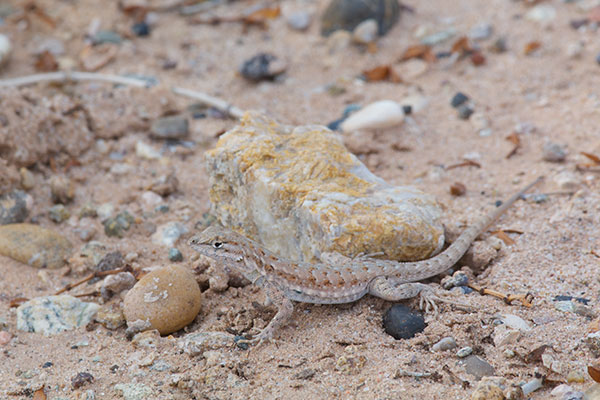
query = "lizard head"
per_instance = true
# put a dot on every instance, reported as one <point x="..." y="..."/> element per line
<point x="219" y="244"/>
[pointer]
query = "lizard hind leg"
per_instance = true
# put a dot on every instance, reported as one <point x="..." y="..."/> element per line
<point x="393" y="289"/>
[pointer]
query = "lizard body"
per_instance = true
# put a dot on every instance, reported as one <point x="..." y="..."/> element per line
<point x="323" y="283"/>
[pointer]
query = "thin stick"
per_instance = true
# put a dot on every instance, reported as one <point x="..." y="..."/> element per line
<point x="77" y="76"/>
<point x="97" y="274"/>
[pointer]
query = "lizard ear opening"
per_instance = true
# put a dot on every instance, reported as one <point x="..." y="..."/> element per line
<point x="217" y="245"/>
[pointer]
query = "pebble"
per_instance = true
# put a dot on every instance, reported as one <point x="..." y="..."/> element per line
<point x="338" y="41"/>
<point x="172" y="127"/>
<point x="165" y="185"/>
<point x="379" y="115"/>
<point x="412" y="69"/>
<point x="503" y="336"/>
<point x="141" y="29"/>
<point x="465" y="111"/>
<point x="532" y="386"/>
<point x="457" y="279"/>
<point x="299" y="20"/>
<point x="167" y="234"/>
<point x="459" y="99"/>
<point x="447" y="343"/>
<point x="417" y="103"/>
<point x="464" y="352"/>
<point x="5" y="50"/>
<point x="567" y="180"/>
<point x="198" y="342"/>
<point x="105" y="211"/>
<point x="151" y="199"/>
<point x="168" y="298"/>
<point x="54" y="314"/>
<point x="348" y="14"/>
<point x="14" y="207"/>
<point x="106" y="36"/>
<point x="81" y="379"/>
<point x="479" y="121"/>
<point x="134" y="391"/>
<point x="58" y="213"/>
<point x="553" y="152"/>
<point x="115" y="284"/>
<point x="477" y="367"/>
<point x="575" y="50"/>
<point x="263" y="66"/>
<point x="5" y="338"/>
<point x="62" y="189"/>
<point x="575" y="376"/>
<point x="438" y="37"/>
<point x="146" y="151"/>
<point x="481" y="31"/>
<point x="489" y="389"/>
<point x="85" y="233"/>
<point x="27" y="178"/>
<point x="515" y="322"/>
<point x="119" y="224"/>
<point x="352" y="361"/>
<point x="175" y="255"/>
<point x="542" y="13"/>
<point x="365" y="32"/>
<point x="33" y="245"/>
<point x="110" y="317"/>
<point x="401" y="322"/>
<point x="592" y="341"/>
<point x="479" y="255"/>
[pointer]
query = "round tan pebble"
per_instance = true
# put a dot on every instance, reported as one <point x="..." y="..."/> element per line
<point x="4" y="338"/>
<point x="168" y="298"/>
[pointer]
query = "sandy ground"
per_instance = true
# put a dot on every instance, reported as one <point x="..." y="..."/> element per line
<point x="549" y="89"/>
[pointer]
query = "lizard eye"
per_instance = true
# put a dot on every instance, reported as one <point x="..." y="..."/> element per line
<point x="217" y="245"/>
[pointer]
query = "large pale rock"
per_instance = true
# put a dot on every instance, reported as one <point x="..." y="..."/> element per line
<point x="34" y="245"/>
<point x="53" y="314"/>
<point x="301" y="193"/>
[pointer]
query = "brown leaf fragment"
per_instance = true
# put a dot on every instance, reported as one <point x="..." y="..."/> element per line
<point x="39" y="394"/>
<point x="381" y="73"/>
<point x="262" y="15"/>
<point x="515" y="139"/>
<point x="532" y="46"/>
<point x="466" y="163"/>
<point x="421" y="51"/>
<point x="592" y="157"/>
<point x="594" y="372"/>
<point x="504" y="237"/>
<point x="462" y="46"/>
<point x="17" y="301"/>
<point x="477" y="58"/>
<point x="46" y="62"/>
<point x="458" y="189"/>
<point x="535" y="355"/>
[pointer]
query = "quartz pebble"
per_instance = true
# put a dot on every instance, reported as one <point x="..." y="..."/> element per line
<point x="167" y="234"/>
<point x="379" y="115"/>
<point x="553" y="152"/>
<point x="134" y="391"/>
<point x="365" y="32"/>
<point x="348" y="14"/>
<point x="477" y="367"/>
<point x="481" y="31"/>
<point x="464" y="352"/>
<point x="33" y="245"/>
<point x="401" y="322"/>
<point x="54" y="314"/>
<point x="62" y="189"/>
<point x="447" y="343"/>
<point x="14" y="207"/>
<point x="167" y="298"/>
<point x="268" y="180"/>
<point x="299" y="20"/>
<point x="173" y="127"/>
<point x="198" y="342"/>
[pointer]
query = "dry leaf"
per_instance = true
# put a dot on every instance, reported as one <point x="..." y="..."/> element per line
<point x="535" y="355"/>
<point x="457" y="189"/>
<point x="46" y="62"/>
<point x="39" y="394"/>
<point x="592" y="157"/>
<point x="504" y="237"/>
<point x="262" y="15"/>
<point x="515" y="139"/>
<point x="531" y="47"/>
<point x="594" y="372"/>
<point x="466" y="163"/>
<point x="461" y="46"/>
<point x="381" y="73"/>
<point x="421" y="51"/>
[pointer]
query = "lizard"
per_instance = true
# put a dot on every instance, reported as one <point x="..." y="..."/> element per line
<point x="285" y="281"/>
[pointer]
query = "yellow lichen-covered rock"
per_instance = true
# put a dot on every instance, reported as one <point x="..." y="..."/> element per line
<point x="301" y="193"/>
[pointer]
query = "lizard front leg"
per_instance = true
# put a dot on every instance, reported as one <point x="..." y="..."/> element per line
<point x="285" y="308"/>
<point x="393" y="289"/>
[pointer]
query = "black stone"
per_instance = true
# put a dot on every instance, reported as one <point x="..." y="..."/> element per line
<point x="459" y="99"/>
<point x="141" y="29"/>
<point x="403" y="323"/>
<point x="465" y="111"/>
